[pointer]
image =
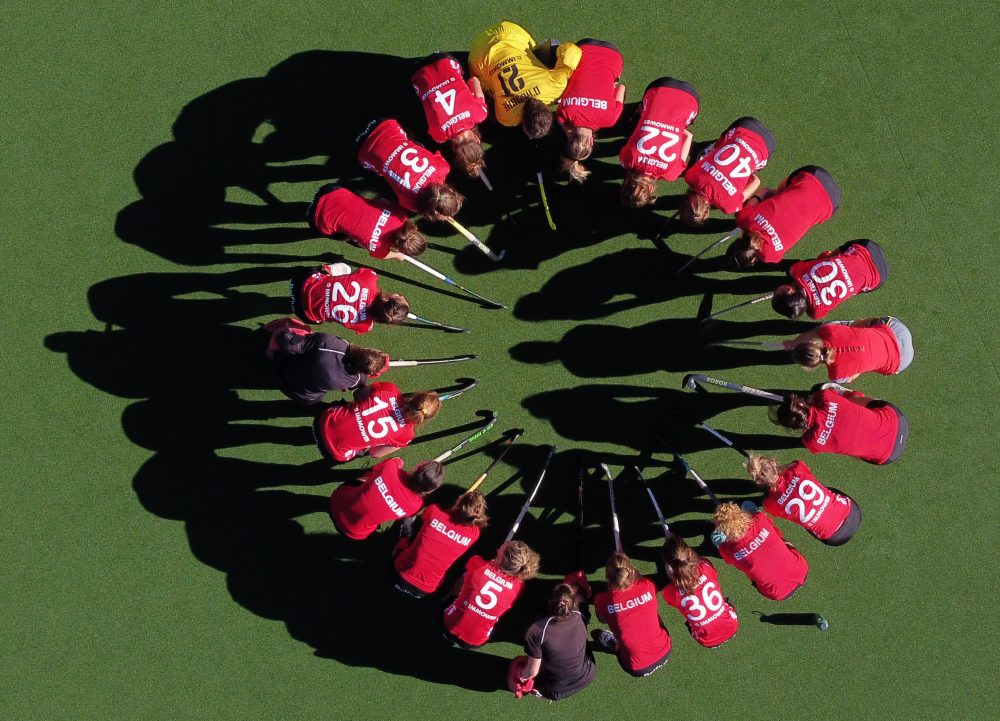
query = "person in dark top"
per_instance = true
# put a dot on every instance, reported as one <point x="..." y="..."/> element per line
<point x="559" y="662"/>
<point x="309" y="365"/>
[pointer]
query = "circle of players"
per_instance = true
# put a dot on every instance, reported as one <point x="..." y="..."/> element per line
<point x="524" y="78"/>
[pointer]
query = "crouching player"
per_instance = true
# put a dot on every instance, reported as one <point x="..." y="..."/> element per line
<point x="635" y="634"/>
<point x="694" y="590"/>
<point x="423" y="556"/>
<point x="453" y="108"/>
<point x="749" y="541"/>
<point x="332" y="293"/>
<point x="660" y="145"/>
<point x="794" y="493"/>
<point x="848" y="349"/>
<point x="378" y="226"/>
<point x="488" y="590"/>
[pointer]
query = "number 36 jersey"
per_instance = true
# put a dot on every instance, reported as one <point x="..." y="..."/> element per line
<point x="710" y="618"/>
<point x="800" y="498"/>
<point x="486" y="595"/>
<point x="408" y="167"/>
<point x="450" y="106"/>
<point x="835" y="276"/>
<point x="668" y="107"/>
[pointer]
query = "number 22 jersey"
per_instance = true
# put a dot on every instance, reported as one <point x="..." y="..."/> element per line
<point x="486" y="595"/>
<point x="668" y="107"/>
<point x="407" y="166"/>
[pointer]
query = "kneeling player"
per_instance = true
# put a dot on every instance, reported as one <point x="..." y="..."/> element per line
<point x="636" y="634"/>
<point x="772" y="226"/>
<point x="846" y="350"/>
<point x="694" y="590"/>
<point x="332" y="293"/>
<point x="378" y="226"/>
<point x="725" y="174"/>
<point x="593" y="100"/>
<point x="750" y="542"/>
<point x="659" y="147"/>
<point x="453" y="108"/>
<point x="489" y="589"/>
<point x="416" y="175"/>
<point x="794" y="493"/>
<point x="423" y="557"/>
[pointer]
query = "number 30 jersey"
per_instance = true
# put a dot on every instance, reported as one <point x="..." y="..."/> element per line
<point x="710" y="618"/>
<point x="800" y="498"/>
<point x="835" y="276"/>
<point x="668" y="107"/>
<point x="486" y="595"/>
<point x="450" y="106"/>
<point x="501" y="58"/>
<point x="407" y="166"/>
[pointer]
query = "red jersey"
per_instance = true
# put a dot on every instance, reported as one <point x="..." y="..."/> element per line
<point x="450" y="106"/>
<point x="762" y="555"/>
<point x="438" y="544"/>
<point x="835" y="276"/>
<point x="408" y="166"/>
<point x="347" y="428"/>
<point x="654" y="148"/>
<point x="631" y="615"/>
<point x="839" y="425"/>
<point x="724" y="169"/>
<point x="369" y="223"/>
<point x="859" y="350"/>
<point x="340" y="299"/>
<point x="357" y="510"/>
<point x="787" y="215"/>
<point x="710" y="618"/>
<point x="589" y="98"/>
<point x="487" y="594"/>
<point x="800" y="498"/>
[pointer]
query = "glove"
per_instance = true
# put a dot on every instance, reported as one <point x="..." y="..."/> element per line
<point x="579" y="579"/>
<point x="718" y="537"/>
<point x="523" y="687"/>
<point x="749" y="507"/>
<point x="384" y="368"/>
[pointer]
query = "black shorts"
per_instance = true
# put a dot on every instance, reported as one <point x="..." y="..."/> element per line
<point x="825" y="179"/>
<point x="370" y="126"/>
<point x="405" y="587"/>
<point x="457" y="641"/>
<point x="674" y="83"/>
<point x="311" y="212"/>
<point x="877" y="255"/>
<point x="756" y="126"/>
<point x="640" y="673"/>
<point x="599" y="43"/>
<point x="849" y="527"/>
<point x="902" y="434"/>
<point x="299" y="276"/>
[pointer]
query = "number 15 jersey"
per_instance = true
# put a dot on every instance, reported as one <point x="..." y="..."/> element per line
<point x="486" y="595"/>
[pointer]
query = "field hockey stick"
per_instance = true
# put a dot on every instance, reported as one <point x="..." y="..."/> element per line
<point x="486" y="181"/>
<point x="435" y="324"/>
<point x="697" y="479"/>
<point x="531" y="497"/>
<point x="541" y="189"/>
<point x="691" y="380"/>
<point x="614" y="512"/>
<point x="441" y="276"/>
<point x="580" y="475"/>
<point x="451" y="451"/>
<point x="480" y="245"/>
<point x="467" y="386"/>
<point x="430" y="361"/>
<point x="663" y="226"/>
<point x="761" y="299"/>
<point x="506" y="447"/>
<point x="766" y="344"/>
<point x="725" y="441"/>
<point x="728" y="236"/>
<point x="652" y="499"/>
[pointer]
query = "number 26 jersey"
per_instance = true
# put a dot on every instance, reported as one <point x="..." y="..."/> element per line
<point x="486" y="595"/>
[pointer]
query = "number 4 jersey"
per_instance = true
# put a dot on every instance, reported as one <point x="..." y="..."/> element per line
<point x="669" y="106"/>
<point x="450" y="106"/>
<point x="407" y="166"/>
<point x="710" y="618"/>
<point x="486" y="595"/>
<point x="800" y="498"/>
<point x="836" y="275"/>
<point x="723" y="170"/>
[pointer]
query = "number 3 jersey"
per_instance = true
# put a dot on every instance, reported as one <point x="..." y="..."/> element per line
<point x="710" y="618"/>
<point x="668" y="107"/>
<point x="836" y="275"/>
<point x="632" y="617"/>
<point x="589" y="98"/>
<point x="378" y="420"/>
<point x="487" y="594"/>
<point x="357" y="510"/>
<point x="342" y="298"/>
<point x="800" y="498"/>
<point x="407" y="166"/>
<point x="450" y="106"/>
<point x="723" y="170"/>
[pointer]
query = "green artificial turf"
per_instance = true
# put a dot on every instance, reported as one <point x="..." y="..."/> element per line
<point x="165" y="553"/>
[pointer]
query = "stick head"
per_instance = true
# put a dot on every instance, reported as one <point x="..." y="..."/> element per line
<point x="689" y="381"/>
<point x="607" y="471"/>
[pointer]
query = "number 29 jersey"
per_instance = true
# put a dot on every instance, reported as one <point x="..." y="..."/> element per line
<point x="450" y="106"/>
<point x="486" y="595"/>
<point x="800" y="498"/>
<point x="668" y="107"/>
<point x="710" y="618"/>
<point x="407" y="166"/>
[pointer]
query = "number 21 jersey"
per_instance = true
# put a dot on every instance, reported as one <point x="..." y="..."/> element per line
<point x="486" y="595"/>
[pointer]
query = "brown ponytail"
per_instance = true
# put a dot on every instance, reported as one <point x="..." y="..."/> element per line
<point x="813" y="353"/>
<point x="420" y="406"/>
<point x="469" y="509"/>
<point x="536" y="120"/>
<point x="426" y="477"/>
<point x="408" y="239"/>
<point x="439" y="201"/>
<point x="745" y="252"/>
<point x="620" y="572"/>
<point x="638" y="190"/>
<point x="391" y="309"/>
<point x="763" y="471"/>
<point x="579" y="146"/>
<point x="467" y="148"/>
<point x="515" y="558"/>
<point x="562" y="602"/>
<point x="793" y="413"/>
<point x="364" y="360"/>
<point x="695" y="208"/>
<point x="681" y="562"/>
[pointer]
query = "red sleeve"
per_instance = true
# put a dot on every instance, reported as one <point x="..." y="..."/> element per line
<point x="600" y="602"/>
<point x="474" y="562"/>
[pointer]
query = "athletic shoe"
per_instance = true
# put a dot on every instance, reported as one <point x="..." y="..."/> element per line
<point x="607" y="640"/>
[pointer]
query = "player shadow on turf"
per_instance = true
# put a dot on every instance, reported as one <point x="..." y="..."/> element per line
<point x="626" y="280"/>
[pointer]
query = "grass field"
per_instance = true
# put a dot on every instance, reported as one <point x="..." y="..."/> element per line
<point x="165" y="552"/>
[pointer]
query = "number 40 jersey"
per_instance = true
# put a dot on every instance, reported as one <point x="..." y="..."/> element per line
<point x="450" y="106"/>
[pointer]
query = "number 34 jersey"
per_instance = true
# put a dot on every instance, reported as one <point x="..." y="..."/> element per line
<point x="710" y="618"/>
<point x="408" y="167"/>
<point x="800" y="498"/>
<point x="450" y="106"/>
<point x="486" y="595"/>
